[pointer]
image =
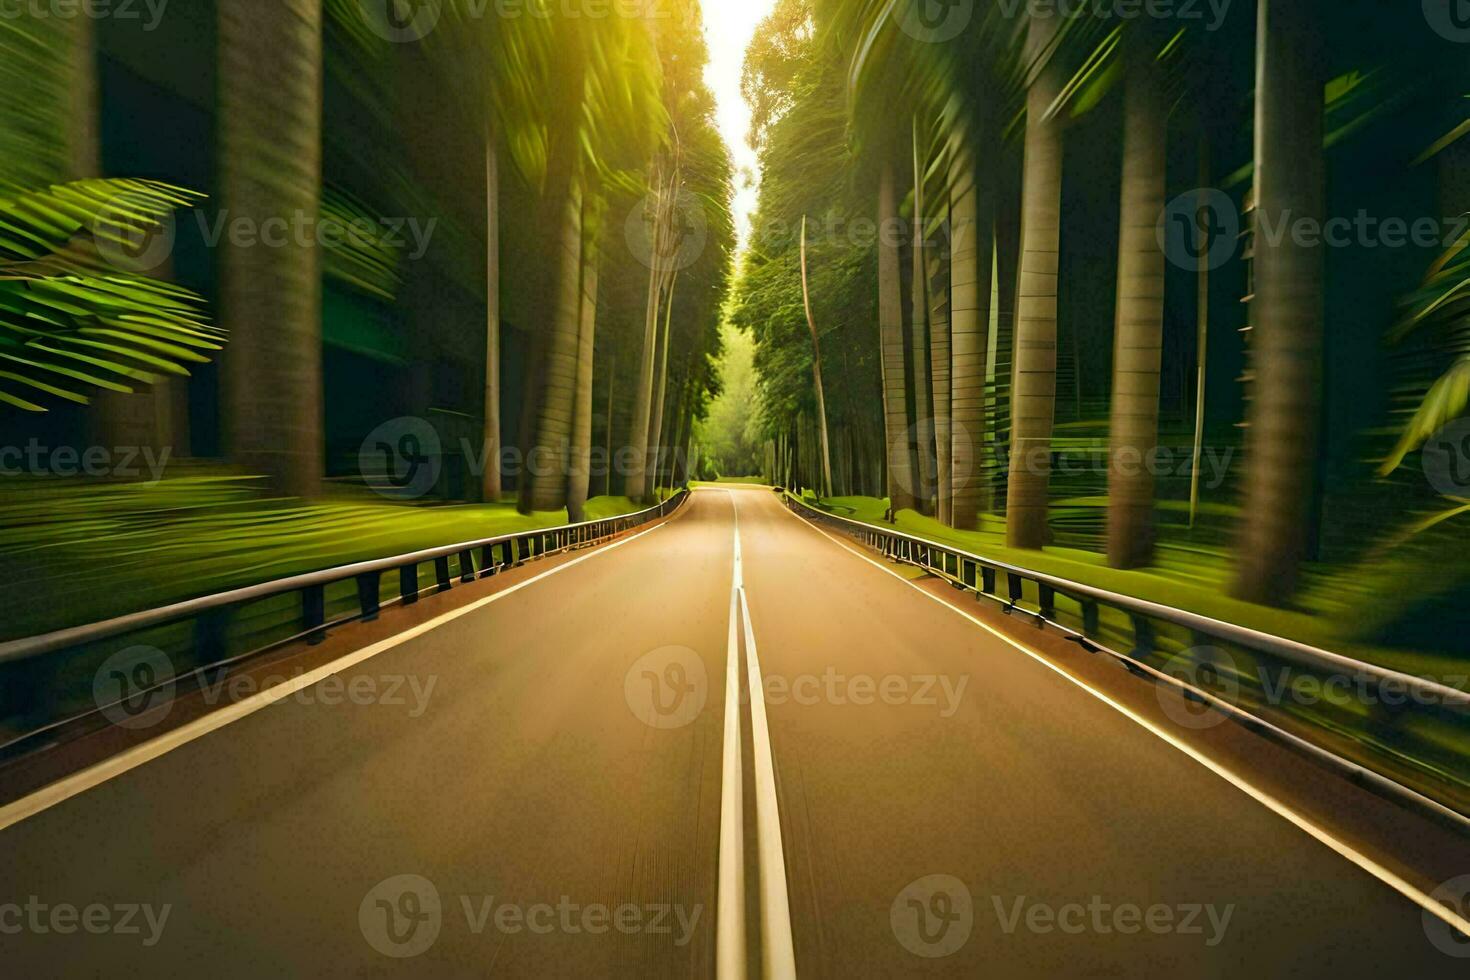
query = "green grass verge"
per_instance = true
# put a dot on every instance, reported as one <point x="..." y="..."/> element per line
<point x="76" y="551"/>
<point x="1189" y="578"/>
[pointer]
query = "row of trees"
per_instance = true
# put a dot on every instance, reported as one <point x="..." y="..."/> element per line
<point x="554" y="152"/>
<point x="955" y="142"/>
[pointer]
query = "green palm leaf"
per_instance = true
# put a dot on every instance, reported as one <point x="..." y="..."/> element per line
<point x="77" y="311"/>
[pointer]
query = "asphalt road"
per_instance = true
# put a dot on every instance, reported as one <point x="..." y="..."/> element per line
<point x="533" y="787"/>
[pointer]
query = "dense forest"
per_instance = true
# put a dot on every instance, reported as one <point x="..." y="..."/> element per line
<point x="1185" y="292"/>
<point x="484" y="223"/>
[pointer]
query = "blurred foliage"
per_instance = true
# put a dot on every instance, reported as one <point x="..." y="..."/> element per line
<point x="72" y="316"/>
<point x="87" y="550"/>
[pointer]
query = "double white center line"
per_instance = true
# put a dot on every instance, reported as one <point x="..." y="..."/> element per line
<point x="778" y="959"/>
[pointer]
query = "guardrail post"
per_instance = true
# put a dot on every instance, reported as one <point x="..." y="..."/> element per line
<point x="1143" y="638"/>
<point x="487" y="561"/>
<point x="466" y="567"/>
<point x="1047" y="601"/>
<point x="441" y="573"/>
<point x="1091" y="619"/>
<point x="211" y="635"/>
<point x="369" y="594"/>
<point x="314" y="612"/>
<point x="408" y="584"/>
<point x="1014" y="590"/>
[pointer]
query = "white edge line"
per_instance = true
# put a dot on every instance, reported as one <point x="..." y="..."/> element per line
<point x="778" y="954"/>
<point x="730" y="953"/>
<point x="93" y="776"/>
<point x="1383" y="874"/>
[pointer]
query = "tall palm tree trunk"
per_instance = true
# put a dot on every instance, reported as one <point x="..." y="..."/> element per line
<point x="973" y="209"/>
<point x="490" y="483"/>
<point x="811" y="322"/>
<point x="938" y="262"/>
<point x="557" y="385"/>
<point x="1139" y="334"/>
<point x="890" y="326"/>
<point x="580" y="462"/>
<point x="656" y="418"/>
<point x="612" y="386"/>
<point x="919" y="355"/>
<point x="636" y="483"/>
<point x="1282" y="443"/>
<point x="1035" y="350"/>
<point x="270" y="160"/>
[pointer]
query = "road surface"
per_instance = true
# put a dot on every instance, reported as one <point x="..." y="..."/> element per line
<point x="531" y="784"/>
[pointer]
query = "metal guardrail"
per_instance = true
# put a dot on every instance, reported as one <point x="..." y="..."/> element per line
<point x="985" y="577"/>
<point x="211" y="613"/>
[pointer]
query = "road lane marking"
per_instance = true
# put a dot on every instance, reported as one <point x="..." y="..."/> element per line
<point x="730" y="955"/>
<point x="778" y="953"/>
<point x="1276" y="806"/>
<point x="778" y="957"/>
<point x="94" y="776"/>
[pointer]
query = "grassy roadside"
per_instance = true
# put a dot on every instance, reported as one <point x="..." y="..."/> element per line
<point x="79" y="551"/>
<point x="1193" y="579"/>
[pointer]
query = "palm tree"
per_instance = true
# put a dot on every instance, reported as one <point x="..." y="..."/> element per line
<point x="938" y="263"/>
<point x="579" y="470"/>
<point x="811" y="322"/>
<point x="556" y="384"/>
<point x="491" y="487"/>
<point x="659" y="225"/>
<point x="973" y="211"/>
<point x="270" y="152"/>
<point x="890" y="325"/>
<point x="1035" y="341"/>
<point x="657" y="408"/>
<point x="604" y="114"/>
<point x="1138" y="337"/>
<point x="1282" y="442"/>
<point x="919" y="352"/>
